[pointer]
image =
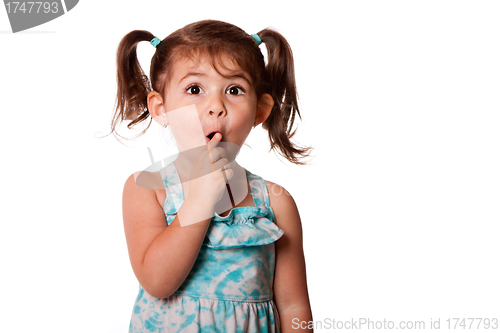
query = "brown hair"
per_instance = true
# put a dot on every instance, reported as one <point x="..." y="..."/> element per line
<point x="216" y="39"/>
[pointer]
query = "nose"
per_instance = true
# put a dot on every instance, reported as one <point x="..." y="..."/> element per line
<point x="218" y="114"/>
<point x="216" y="107"/>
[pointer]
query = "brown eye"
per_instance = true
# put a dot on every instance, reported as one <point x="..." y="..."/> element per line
<point x="194" y="90"/>
<point x="235" y="90"/>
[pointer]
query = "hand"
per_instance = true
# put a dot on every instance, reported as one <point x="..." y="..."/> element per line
<point x="208" y="183"/>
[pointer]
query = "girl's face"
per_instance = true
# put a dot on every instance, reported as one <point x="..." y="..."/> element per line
<point x="225" y="104"/>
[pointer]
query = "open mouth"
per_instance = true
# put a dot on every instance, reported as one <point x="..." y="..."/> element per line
<point x="211" y="135"/>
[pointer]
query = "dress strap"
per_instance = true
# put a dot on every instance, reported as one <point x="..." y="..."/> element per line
<point x="173" y="189"/>
<point x="259" y="190"/>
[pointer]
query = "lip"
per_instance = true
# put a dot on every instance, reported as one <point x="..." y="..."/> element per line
<point x="215" y="130"/>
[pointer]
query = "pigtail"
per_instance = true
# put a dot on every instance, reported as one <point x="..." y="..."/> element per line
<point x="133" y="84"/>
<point x="281" y="85"/>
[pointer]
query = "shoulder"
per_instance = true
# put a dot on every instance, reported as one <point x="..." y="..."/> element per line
<point x="278" y="195"/>
<point x="144" y="185"/>
<point x="284" y="208"/>
<point x="133" y="191"/>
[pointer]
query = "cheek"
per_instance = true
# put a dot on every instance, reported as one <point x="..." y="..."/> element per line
<point x="173" y="103"/>
<point x="240" y="127"/>
<point x="244" y="121"/>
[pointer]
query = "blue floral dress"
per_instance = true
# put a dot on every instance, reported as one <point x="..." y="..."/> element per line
<point x="230" y="287"/>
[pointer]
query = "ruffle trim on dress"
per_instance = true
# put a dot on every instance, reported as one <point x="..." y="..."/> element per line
<point x="242" y="227"/>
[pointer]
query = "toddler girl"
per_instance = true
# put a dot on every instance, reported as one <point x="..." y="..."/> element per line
<point x="242" y="270"/>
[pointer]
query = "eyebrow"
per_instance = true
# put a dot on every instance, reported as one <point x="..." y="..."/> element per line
<point x="239" y="75"/>
<point x="192" y="74"/>
<point x="235" y="75"/>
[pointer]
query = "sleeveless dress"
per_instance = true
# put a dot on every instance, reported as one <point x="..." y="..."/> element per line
<point x="230" y="287"/>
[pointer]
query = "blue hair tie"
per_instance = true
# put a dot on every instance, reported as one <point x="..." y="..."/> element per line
<point x="155" y="41"/>
<point x="257" y="39"/>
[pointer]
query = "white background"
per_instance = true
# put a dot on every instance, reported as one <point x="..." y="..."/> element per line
<point x="400" y="207"/>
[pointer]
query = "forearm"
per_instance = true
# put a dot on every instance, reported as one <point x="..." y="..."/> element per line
<point x="296" y="319"/>
<point x="172" y="254"/>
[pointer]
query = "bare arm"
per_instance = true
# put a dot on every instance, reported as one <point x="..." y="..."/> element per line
<point x="161" y="256"/>
<point x="290" y="283"/>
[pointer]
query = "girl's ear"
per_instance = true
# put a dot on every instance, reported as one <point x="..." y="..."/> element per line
<point x="157" y="109"/>
<point x="264" y="107"/>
